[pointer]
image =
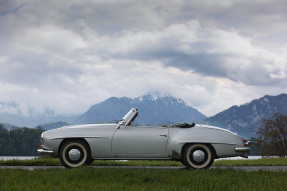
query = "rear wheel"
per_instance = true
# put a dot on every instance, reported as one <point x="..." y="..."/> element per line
<point x="75" y="153"/>
<point x="198" y="156"/>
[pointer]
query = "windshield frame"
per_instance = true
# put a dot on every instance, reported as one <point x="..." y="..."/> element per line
<point x="129" y="117"/>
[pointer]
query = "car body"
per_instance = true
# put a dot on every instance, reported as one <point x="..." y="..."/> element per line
<point x="196" y="146"/>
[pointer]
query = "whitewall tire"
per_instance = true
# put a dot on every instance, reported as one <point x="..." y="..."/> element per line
<point x="74" y="153"/>
<point x="198" y="156"/>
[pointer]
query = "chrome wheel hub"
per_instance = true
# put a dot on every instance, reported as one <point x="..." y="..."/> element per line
<point x="198" y="155"/>
<point x="74" y="154"/>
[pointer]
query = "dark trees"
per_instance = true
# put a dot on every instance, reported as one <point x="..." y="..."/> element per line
<point x="19" y="141"/>
<point x="273" y="135"/>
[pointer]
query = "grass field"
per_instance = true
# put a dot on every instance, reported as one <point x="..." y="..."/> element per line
<point x="85" y="178"/>
<point x="56" y="162"/>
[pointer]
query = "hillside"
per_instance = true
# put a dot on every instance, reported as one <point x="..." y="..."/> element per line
<point x="245" y="119"/>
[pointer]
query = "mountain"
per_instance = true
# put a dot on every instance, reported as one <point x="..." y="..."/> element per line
<point x="32" y="121"/>
<point x="245" y="119"/>
<point x="153" y="108"/>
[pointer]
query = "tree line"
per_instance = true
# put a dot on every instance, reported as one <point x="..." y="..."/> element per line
<point x="19" y="141"/>
<point x="272" y="136"/>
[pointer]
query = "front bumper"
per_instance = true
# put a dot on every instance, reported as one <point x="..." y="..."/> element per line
<point x="45" y="152"/>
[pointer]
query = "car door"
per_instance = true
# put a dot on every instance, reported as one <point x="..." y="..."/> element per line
<point x="131" y="140"/>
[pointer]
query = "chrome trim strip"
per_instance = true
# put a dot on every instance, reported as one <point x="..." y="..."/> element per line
<point x="76" y="137"/>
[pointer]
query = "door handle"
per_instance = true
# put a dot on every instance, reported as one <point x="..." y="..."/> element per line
<point x="163" y="135"/>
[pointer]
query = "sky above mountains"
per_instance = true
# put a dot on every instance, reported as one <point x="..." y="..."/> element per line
<point x="69" y="55"/>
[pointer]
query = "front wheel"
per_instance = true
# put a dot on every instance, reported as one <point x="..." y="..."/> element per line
<point x="74" y="153"/>
<point x="198" y="156"/>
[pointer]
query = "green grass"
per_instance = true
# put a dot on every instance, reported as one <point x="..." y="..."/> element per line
<point x="56" y="162"/>
<point x="32" y="162"/>
<point x="85" y="178"/>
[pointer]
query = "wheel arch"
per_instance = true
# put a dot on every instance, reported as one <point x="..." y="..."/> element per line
<point x="73" y="139"/>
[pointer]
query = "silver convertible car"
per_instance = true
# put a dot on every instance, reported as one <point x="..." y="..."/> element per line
<point x="196" y="146"/>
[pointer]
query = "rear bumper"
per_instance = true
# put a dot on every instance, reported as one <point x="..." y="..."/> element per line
<point x="45" y="152"/>
<point x="244" y="150"/>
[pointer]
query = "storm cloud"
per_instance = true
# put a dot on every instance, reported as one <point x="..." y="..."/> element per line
<point x="67" y="56"/>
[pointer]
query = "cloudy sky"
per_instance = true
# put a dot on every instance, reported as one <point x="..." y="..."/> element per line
<point x="69" y="55"/>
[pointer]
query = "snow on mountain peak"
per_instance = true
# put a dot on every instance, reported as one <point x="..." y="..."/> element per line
<point x="154" y="96"/>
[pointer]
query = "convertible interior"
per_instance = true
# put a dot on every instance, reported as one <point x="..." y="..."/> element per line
<point x="184" y="125"/>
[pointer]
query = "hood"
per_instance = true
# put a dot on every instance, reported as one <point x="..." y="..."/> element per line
<point x="90" y="130"/>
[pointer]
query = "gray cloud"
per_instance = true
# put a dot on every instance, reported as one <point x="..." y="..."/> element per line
<point x="60" y="55"/>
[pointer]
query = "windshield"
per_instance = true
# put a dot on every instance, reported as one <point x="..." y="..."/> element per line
<point x="127" y="118"/>
<point x="128" y="115"/>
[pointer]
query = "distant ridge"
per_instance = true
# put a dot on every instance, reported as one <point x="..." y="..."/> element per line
<point x="8" y="126"/>
<point x="245" y="119"/>
<point x="54" y="125"/>
<point x="153" y="108"/>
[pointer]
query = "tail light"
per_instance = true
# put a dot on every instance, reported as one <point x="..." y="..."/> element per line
<point x="246" y="143"/>
<point x="42" y="146"/>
